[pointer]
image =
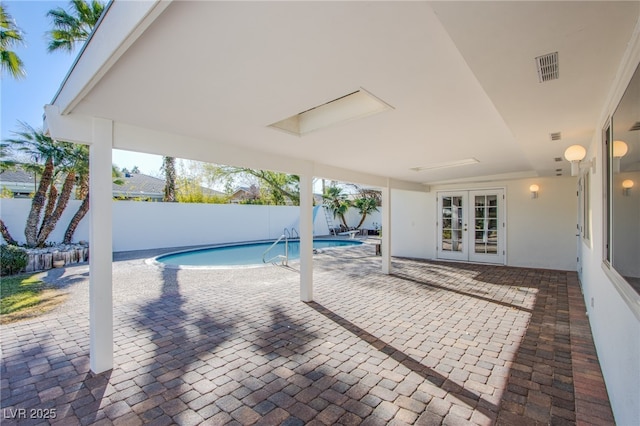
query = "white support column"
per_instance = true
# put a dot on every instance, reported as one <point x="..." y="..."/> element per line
<point x="306" y="237"/>
<point x="386" y="229"/>
<point x="100" y="248"/>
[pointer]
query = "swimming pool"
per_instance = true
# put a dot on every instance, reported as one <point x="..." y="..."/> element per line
<point x="241" y="254"/>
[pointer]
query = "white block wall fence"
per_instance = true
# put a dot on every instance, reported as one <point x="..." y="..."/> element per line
<point x="144" y="225"/>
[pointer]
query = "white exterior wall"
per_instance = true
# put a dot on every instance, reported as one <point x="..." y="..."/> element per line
<point x="142" y="225"/>
<point x="615" y="324"/>
<point x="411" y="230"/>
<point x="14" y="212"/>
<point x="540" y="232"/>
<point x="615" y="327"/>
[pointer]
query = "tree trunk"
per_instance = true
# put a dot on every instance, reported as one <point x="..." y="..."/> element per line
<point x="364" y="216"/>
<point x="75" y="220"/>
<point x="82" y="210"/>
<point x="49" y="222"/>
<point x="51" y="200"/>
<point x="39" y="198"/>
<point x="6" y="235"/>
<point x="169" y="165"/>
<point x="344" y="221"/>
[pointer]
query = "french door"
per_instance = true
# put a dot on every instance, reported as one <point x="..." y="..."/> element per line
<point x="471" y="226"/>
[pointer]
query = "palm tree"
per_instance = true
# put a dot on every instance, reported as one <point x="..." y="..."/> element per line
<point x="365" y="205"/>
<point x="71" y="27"/>
<point x="10" y="35"/>
<point x="169" y="168"/>
<point x="337" y="201"/>
<point x="56" y="158"/>
<point x="82" y="165"/>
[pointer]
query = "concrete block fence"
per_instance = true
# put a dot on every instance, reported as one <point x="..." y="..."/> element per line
<point x="144" y="225"/>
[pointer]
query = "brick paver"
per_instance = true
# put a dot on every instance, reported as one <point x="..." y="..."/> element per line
<point x="432" y="343"/>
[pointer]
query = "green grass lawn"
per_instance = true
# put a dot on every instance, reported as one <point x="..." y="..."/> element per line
<point x="23" y="296"/>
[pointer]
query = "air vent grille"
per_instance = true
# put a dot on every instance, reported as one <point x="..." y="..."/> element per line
<point x="548" y="67"/>
<point x="636" y="126"/>
<point x="556" y="136"/>
<point x="557" y="159"/>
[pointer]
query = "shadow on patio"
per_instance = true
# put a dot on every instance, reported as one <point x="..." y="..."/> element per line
<point x="433" y="343"/>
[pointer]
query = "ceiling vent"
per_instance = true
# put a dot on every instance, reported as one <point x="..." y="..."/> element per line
<point x="557" y="159"/>
<point x="556" y="136"/>
<point x="547" y="67"/>
<point x="636" y="126"/>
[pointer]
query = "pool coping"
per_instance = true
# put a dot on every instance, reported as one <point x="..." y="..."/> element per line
<point x="154" y="262"/>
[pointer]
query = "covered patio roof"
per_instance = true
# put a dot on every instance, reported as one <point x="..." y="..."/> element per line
<point x="460" y="77"/>
<point x="459" y="80"/>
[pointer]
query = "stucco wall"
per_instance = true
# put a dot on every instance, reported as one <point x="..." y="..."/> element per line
<point x="615" y="328"/>
<point x="14" y="213"/>
<point x="614" y="309"/>
<point x="142" y="225"/>
<point x="411" y="216"/>
<point x="540" y="232"/>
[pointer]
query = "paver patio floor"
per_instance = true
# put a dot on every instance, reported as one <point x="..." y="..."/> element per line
<point x="433" y="343"/>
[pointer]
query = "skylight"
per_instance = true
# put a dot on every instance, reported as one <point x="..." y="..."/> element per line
<point x="447" y="164"/>
<point x="355" y="105"/>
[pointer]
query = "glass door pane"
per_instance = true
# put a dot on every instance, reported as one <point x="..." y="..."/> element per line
<point x="486" y="220"/>
<point x="452" y="216"/>
<point x="470" y="225"/>
<point x="452" y="224"/>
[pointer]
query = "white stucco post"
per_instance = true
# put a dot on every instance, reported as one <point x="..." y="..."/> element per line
<point x="386" y="229"/>
<point x="306" y="237"/>
<point x="100" y="248"/>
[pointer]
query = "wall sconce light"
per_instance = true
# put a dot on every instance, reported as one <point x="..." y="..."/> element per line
<point x="534" y="190"/>
<point x="626" y="187"/>
<point x="574" y="154"/>
<point x="620" y="149"/>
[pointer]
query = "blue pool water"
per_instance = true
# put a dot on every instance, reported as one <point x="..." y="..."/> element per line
<point x="243" y="254"/>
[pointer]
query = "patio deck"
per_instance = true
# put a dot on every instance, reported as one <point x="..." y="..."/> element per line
<point x="434" y="343"/>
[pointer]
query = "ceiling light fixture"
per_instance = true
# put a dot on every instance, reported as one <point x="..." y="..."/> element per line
<point x="620" y="149"/>
<point x="358" y="104"/>
<point x="445" y="165"/>
<point x="574" y="154"/>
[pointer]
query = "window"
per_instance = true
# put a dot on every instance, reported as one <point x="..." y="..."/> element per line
<point x="622" y="190"/>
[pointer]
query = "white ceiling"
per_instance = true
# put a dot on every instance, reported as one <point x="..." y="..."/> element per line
<point x="460" y="76"/>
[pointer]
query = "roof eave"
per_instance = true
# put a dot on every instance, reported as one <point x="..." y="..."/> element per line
<point x="120" y="26"/>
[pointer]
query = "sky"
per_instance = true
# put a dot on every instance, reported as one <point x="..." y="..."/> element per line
<point x="23" y="100"/>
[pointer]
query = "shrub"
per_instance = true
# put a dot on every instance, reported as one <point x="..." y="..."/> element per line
<point x="13" y="259"/>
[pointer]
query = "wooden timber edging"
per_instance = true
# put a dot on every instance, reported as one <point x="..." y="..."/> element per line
<point x="48" y="258"/>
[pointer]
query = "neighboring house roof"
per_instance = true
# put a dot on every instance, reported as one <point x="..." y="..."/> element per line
<point x="138" y="185"/>
<point x="135" y="185"/>
<point x="19" y="181"/>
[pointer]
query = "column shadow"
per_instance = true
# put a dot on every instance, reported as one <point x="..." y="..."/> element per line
<point x="399" y="356"/>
